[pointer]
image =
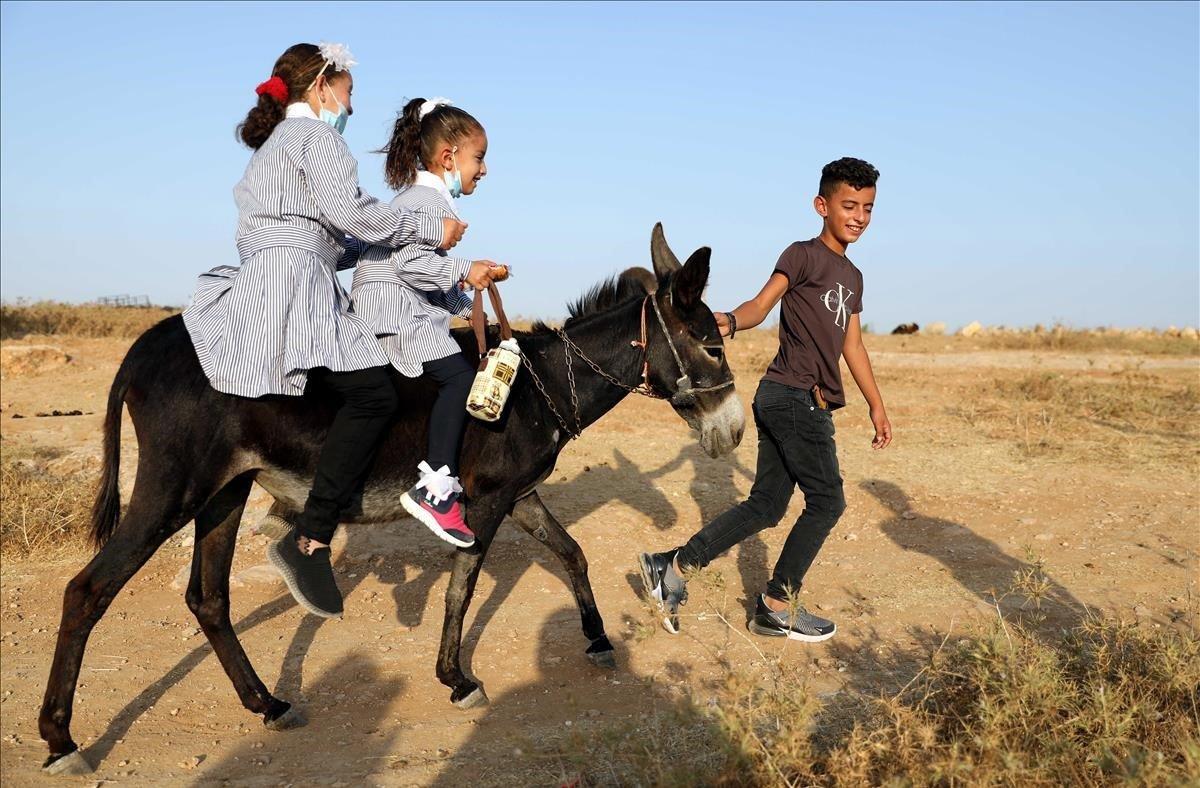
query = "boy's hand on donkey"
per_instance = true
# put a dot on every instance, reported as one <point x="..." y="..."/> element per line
<point x="452" y="232"/>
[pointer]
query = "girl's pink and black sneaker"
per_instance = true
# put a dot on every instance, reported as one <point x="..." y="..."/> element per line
<point x="435" y="502"/>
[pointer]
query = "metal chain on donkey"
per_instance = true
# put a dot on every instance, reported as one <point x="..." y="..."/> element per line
<point x="497" y="367"/>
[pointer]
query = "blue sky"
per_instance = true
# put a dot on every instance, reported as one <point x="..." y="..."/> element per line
<point x="1039" y="161"/>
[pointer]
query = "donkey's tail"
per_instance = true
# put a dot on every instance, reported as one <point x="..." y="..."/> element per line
<point x="106" y="511"/>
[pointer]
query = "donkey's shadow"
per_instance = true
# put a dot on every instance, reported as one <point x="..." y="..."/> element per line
<point x="414" y="569"/>
<point x="404" y="556"/>
<point x="714" y="489"/>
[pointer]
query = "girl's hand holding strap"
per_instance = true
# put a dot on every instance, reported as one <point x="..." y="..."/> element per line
<point x="480" y="275"/>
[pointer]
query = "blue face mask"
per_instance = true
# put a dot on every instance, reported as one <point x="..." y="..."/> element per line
<point x="338" y="119"/>
<point x="453" y="179"/>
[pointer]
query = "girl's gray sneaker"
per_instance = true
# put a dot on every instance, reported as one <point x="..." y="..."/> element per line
<point x="664" y="585"/>
<point x="795" y="623"/>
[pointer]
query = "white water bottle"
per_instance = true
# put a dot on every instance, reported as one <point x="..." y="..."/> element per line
<point x="494" y="381"/>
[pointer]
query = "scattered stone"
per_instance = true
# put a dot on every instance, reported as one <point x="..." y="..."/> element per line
<point x="908" y="515"/>
<point x="971" y="329"/>
<point x="1028" y="521"/>
<point x="1044" y="537"/>
<point x="850" y="537"/>
<point x="193" y="762"/>
<point x="182" y="578"/>
<point x="264" y="574"/>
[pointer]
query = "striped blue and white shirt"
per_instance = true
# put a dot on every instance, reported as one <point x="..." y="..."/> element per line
<point x="409" y="295"/>
<point x="259" y="328"/>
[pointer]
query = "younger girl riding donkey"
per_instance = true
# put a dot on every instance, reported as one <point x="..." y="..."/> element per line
<point x="281" y="319"/>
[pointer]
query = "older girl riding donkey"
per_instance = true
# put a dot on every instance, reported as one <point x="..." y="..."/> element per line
<point x="281" y="320"/>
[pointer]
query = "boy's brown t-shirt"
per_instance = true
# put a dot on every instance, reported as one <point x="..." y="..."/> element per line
<point x="825" y="289"/>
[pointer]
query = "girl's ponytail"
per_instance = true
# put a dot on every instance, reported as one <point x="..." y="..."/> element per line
<point x="404" y="148"/>
<point x="294" y="72"/>
<point x="261" y="121"/>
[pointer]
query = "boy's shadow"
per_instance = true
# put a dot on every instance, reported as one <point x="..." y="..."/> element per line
<point x="878" y="661"/>
<point x="978" y="564"/>
<point x="348" y="738"/>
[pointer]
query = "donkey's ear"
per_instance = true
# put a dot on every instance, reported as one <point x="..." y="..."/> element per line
<point x="665" y="261"/>
<point x="692" y="278"/>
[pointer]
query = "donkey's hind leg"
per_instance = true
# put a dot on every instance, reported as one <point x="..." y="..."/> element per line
<point x="533" y="516"/>
<point x="152" y="517"/>
<point x="208" y="598"/>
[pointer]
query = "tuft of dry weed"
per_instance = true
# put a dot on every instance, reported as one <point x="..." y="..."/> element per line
<point x="1065" y="339"/>
<point x="40" y="511"/>
<point x="83" y="320"/>
<point x="1119" y="416"/>
<point x="1105" y="702"/>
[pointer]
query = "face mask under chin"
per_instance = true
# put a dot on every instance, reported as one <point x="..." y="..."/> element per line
<point x="336" y="119"/>
<point x="453" y="180"/>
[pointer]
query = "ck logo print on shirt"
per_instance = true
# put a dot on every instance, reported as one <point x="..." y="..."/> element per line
<point x="838" y="302"/>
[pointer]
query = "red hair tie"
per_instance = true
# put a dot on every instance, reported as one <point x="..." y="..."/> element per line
<point x="274" y="87"/>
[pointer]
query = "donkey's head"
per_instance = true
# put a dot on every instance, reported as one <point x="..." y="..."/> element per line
<point x="685" y="351"/>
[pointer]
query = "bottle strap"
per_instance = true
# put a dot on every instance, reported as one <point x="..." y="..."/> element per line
<point x="479" y="318"/>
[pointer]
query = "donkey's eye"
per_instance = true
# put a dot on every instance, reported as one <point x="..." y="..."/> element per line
<point x="716" y="352"/>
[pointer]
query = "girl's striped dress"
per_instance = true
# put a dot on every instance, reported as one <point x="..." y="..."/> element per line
<point x="259" y="328"/>
<point x="408" y="295"/>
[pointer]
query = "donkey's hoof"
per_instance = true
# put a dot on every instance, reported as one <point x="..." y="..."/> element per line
<point x="292" y="718"/>
<point x="72" y="764"/>
<point x="476" y="697"/>
<point x="603" y="659"/>
<point x="600" y="653"/>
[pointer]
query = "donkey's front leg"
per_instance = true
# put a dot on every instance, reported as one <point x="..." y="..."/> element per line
<point x="533" y="516"/>
<point x="484" y="518"/>
<point x="208" y="598"/>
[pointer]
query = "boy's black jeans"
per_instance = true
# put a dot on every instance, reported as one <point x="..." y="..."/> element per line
<point x="795" y="448"/>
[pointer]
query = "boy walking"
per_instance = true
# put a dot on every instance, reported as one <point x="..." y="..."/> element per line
<point x="821" y="292"/>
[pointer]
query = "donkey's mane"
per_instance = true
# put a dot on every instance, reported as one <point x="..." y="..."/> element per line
<point x="603" y="296"/>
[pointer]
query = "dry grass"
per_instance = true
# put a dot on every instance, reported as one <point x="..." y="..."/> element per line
<point x="1106" y="702"/>
<point x="81" y="320"/>
<point x="1060" y="338"/>
<point x="40" y="511"/>
<point x="1120" y="416"/>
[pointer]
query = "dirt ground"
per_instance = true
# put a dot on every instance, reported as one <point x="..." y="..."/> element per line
<point x="936" y="527"/>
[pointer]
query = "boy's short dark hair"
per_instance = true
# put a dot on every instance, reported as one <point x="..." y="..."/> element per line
<point x="853" y="172"/>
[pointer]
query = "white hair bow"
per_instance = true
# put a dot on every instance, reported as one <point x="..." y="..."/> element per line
<point x="337" y="54"/>
<point x="431" y="105"/>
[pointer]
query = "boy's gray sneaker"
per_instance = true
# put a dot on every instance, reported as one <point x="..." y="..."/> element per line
<point x="664" y="585"/>
<point x="795" y="623"/>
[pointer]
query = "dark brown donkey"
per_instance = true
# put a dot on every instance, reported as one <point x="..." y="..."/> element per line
<point x="200" y="450"/>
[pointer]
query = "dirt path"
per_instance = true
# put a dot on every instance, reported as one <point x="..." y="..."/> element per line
<point x="934" y="527"/>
